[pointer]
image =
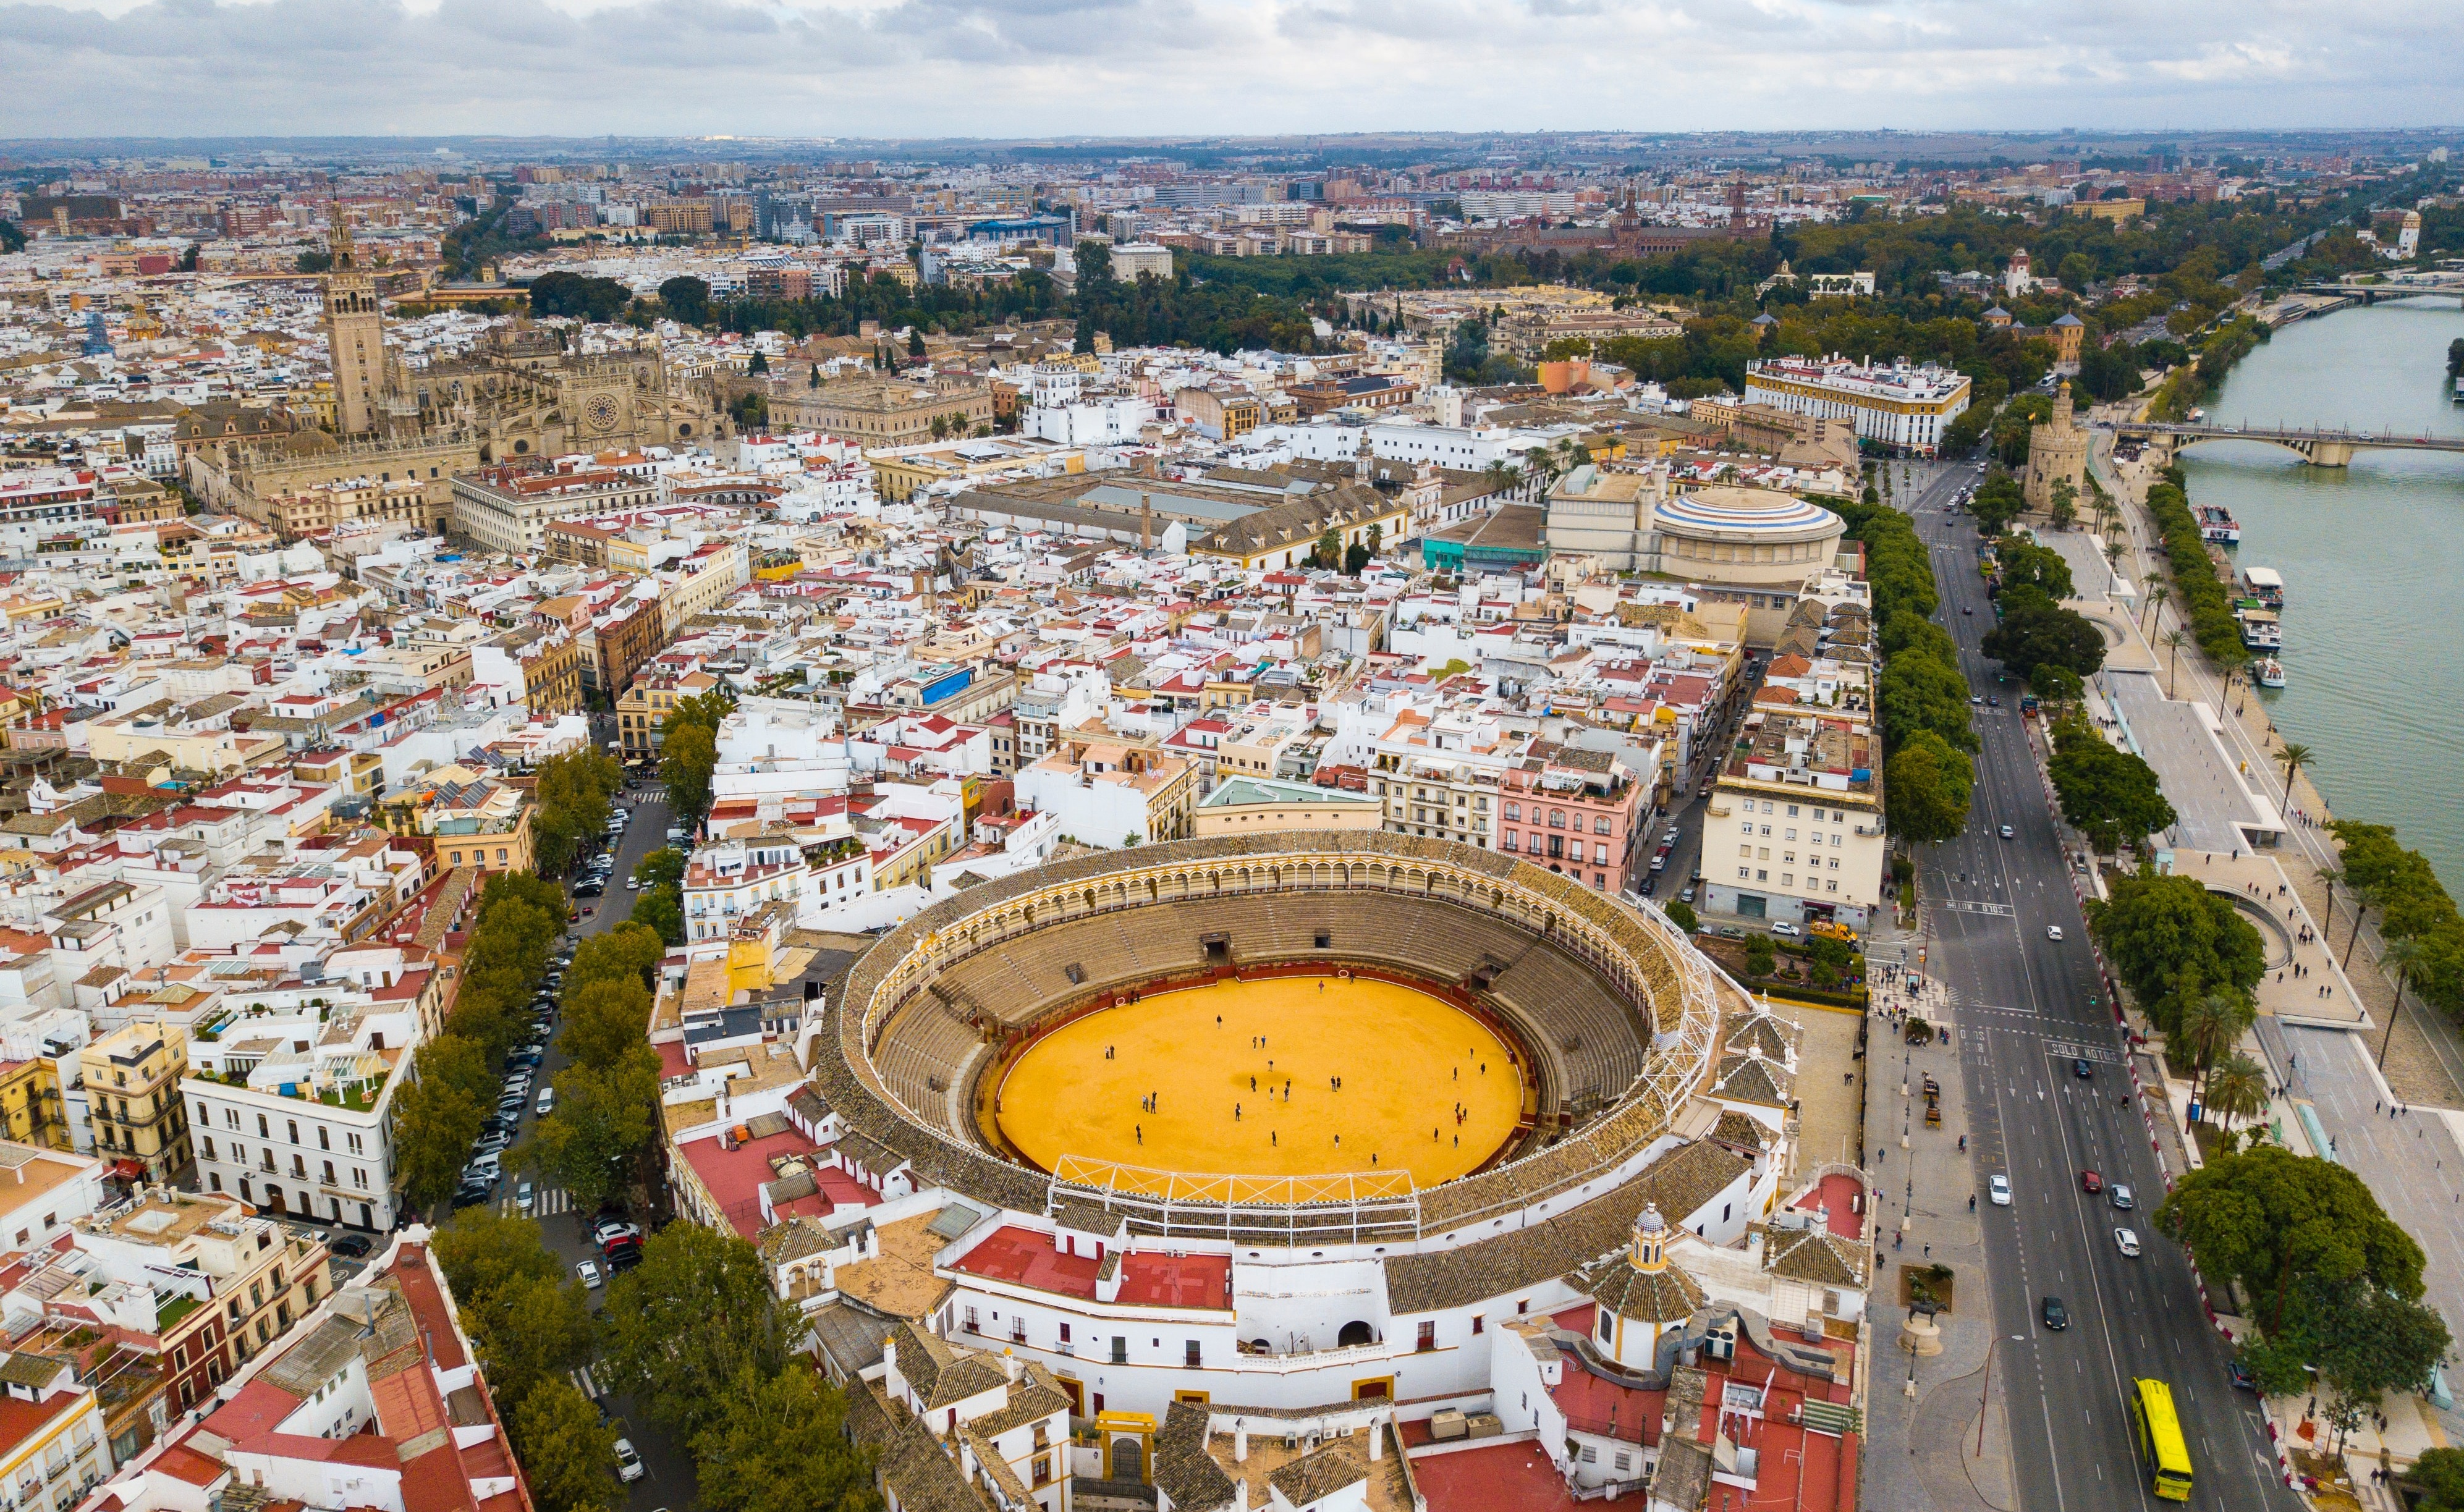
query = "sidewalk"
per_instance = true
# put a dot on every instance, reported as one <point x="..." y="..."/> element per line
<point x="1924" y="1452"/>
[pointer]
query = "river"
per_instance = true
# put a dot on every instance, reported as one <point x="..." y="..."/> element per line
<point x="2374" y="646"/>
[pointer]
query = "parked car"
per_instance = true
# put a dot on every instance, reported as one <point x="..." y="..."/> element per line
<point x="622" y="1259"/>
<point x="350" y="1246"/>
<point x="546" y="1101"/>
<point x="608" y="1230"/>
<point x="588" y="1272"/>
<point x="2242" y="1379"/>
<point x="1651" y="884"/>
<point x="1998" y="1187"/>
<point x="470" y="1194"/>
<point x="1782" y="927"/>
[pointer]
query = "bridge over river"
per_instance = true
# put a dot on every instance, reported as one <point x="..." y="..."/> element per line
<point x="2317" y="446"/>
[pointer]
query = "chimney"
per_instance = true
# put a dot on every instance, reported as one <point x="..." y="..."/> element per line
<point x="1146" y="522"/>
<point x="1240" y="1443"/>
<point x="1377" y="1441"/>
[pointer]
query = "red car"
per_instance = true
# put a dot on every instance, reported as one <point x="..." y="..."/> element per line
<point x="2090" y="1181"/>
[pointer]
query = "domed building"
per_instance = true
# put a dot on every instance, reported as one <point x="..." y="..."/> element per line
<point x="1744" y="545"/>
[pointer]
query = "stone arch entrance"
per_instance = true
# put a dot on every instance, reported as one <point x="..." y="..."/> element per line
<point x="1354" y="1333"/>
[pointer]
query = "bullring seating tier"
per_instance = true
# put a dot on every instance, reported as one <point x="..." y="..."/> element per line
<point x="1373" y="893"/>
<point x="1585" y="1040"/>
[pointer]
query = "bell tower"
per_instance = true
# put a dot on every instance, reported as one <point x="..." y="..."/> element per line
<point x="353" y="335"/>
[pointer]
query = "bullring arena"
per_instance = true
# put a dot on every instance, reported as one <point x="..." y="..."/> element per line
<point x="1311" y="1133"/>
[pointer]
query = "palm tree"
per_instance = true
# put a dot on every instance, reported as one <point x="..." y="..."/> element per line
<point x="2237" y="1089"/>
<point x="2174" y="639"/>
<point x="2403" y="952"/>
<point x="2210" y="1026"/>
<point x="2293" y="759"/>
<point x="2157" y="594"/>
<point x="2365" y="897"/>
<point x="2329" y="879"/>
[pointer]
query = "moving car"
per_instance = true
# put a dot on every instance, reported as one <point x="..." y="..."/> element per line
<point x="588" y="1271"/>
<point x="2090" y="1181"/>
<point x="2120" y="1194"/>
<point x="2242" y="1379"/>
<point x="2007" y="832"/>
<point x="629" y="1464"/>
<point x="1998" y="1187"/>
<point x="2055" y="1314"/>
<point x="2054" y="933"/>
<point x="524" y="1197"/>
<point x="2082" y="1068"/>
<point x="546" y="1101"/>
<point x="2126" y="1241"/>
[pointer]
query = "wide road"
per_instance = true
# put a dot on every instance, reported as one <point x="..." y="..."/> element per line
<point x="2026" y="1011"/>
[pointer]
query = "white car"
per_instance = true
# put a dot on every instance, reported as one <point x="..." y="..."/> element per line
<point x="2126" y="1241"/>
<point x="2054" y="932"/>
<point x="523" y="1197"/>
<point x="629" y="1464"/>
<point x="1997" y="1188"/>
<point x="588" y="1272"/>
<point x="546" y="1101"/>
<point x="1783" y="927"/>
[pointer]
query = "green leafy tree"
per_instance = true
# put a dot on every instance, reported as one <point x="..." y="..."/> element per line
<point x="915" y="340"/>
<point x="568" y="1454"/>
<point x="437" y="1116"/>
<point x="1997" y="501"/>
<point x="1760" y="954"/>
<point x="662" y="910"/>
<point x="2267" y="1216"/>
<point x="604" y="1021"/>
<point x="1681" y="914"/>
<point x="627" y="952"/>
<point x="584" y="296"/>
<point x="529" y="1332"/>
<point x="2172" y="940"/>
<point x="1921" y="693"/>
<point x="686" y="299"/>
<point x="1094" y="260"/>
<point x="574" y="792"/>
<point x="2061" y="503"/>
<point x="2036" y="634"/>
<point x="2438" y="1475"/>
<point x="2110" y="795"/>
<point x="760" y="365"/>
<point x="1931" y="785"/>
<point x="604" y="1117"/>
<point x="483" y="1252"/>
<point x="681" y="1330"/>
<point x="2022" y="563"/>
<point x="783" y="1449"/>
<point x="687" y="758"/>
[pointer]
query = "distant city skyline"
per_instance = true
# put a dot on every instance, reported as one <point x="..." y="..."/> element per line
<point x="1009" y="68"/>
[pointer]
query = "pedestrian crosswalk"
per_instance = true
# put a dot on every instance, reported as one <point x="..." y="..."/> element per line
<point x="585" y="1382"/>
<point x="546" y="1202"/>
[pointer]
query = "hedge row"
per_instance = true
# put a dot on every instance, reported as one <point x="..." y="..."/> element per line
<point x="2196" y="586"/>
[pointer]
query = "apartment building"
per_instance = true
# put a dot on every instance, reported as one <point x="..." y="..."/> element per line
<point x="214" y="1284"/>
<point x="1898" y="407"/>
<point x="1104" y="790"/>
<point x="133" y="1101"/>
<point x="52" y="1446"/>
<point x="1575" y="811"/>
<point x="507" y="508"/>
<point x="1801" y="802"/>
<point x="292" y="1110"/>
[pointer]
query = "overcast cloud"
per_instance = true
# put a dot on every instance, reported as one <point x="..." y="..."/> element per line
<point x="931" y="68"/>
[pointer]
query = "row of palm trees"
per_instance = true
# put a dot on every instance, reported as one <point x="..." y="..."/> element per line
<point x="2230" y="1082"/>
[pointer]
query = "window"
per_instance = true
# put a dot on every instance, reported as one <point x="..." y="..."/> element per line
<point x="352" y="1140"/>
<point x="1478" y="1323"/>
<point x="1189" y="1353"/>
<point x="1428" y="1339"/>
<point x="1600" y="824"/>
<point x="1747" y="826"/>
<point x="1556" y="819"/>
<point x="324" y="1137"/>
<point x="295" y="1130"/>
<point x="1791" y="811"/>
<point x="264" y="1131"/>
<point x="1788" y="835"/>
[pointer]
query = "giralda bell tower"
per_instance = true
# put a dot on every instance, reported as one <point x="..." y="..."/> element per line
<point x="354" y="331"/>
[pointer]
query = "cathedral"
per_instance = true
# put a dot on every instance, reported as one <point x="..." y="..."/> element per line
<point x="524" y="393"/>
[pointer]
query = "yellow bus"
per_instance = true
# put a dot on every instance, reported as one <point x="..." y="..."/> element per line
<point x="2162" y="1452"/>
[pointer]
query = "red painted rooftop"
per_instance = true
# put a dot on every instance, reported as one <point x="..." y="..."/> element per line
<point x="1025" y="1257"/>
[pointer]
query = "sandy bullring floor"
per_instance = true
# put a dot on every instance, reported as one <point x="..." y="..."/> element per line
<point x="1268" y="1049"/>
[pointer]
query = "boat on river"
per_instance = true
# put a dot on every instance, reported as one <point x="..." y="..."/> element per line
<point x="2267" y="672"/>
<point x="2216" y="523"/>
<point x="2264" y="584"/>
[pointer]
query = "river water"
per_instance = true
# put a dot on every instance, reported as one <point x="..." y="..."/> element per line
<point x="2372" y="557"/>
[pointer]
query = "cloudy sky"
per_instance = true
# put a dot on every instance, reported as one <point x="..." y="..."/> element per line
<point x="1029" y="67"/>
